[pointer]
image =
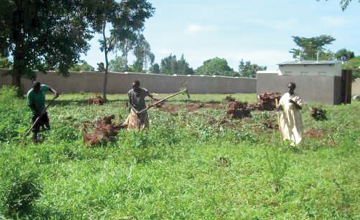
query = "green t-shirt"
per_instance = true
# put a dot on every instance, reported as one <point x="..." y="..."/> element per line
<point x="39" y="98"/>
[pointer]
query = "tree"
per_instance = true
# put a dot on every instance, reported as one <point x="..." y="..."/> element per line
<point x="82" y="66"/>
<point x="143" y="54"/>
<point x="117" y="65"/>
<point x="344" y="55"/>
<point x="309" y="47"/>
<point x="170" y="65"/>
<point x="42" y="35"/>
<point x="127" y="18"/>
<point x="246" y="69"/>
<point x="183" y="67"/>
<point x="155" y="68"/>
<point x="125" y="46"/>
<point x="354" y="65"/>
<point x="215" y="66"/>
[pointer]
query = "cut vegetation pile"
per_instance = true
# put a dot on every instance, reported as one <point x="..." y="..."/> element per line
<point x="238" y="110"/>
<point x="97" y="100"/>
<point x="266" y="101"/>
<point x="102" y="131"/>
<point x="318" y="114"/>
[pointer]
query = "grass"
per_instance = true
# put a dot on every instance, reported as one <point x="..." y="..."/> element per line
<point x="189" y="165"/>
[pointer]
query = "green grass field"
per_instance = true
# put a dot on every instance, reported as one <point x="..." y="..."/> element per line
<point x="190" y="164"/>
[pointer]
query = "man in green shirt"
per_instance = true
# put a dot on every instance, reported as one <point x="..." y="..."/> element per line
<point x="36" y="102"/>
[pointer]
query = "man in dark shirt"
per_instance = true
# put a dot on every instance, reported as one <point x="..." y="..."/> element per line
<point x="137" y="118"/>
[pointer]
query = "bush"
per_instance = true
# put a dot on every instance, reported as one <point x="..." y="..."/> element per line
<point x="8" y="93"/>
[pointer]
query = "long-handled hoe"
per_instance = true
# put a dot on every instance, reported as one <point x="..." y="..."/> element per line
<point x="162" y="100"/>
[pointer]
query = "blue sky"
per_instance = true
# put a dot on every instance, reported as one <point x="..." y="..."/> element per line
<point x="254" y="30"/>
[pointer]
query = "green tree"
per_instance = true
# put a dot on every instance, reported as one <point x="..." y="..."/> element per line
<point x="215" y="66"/>
<point x="246" y="69"/>
<point x="309" y="47"/>
<point x="143" y="54"/>
<point x="127" y="19"/>
<point x="354" y="65"/>
<point x="183" y="67"/>
<point x="170" y="65"/>
<point x="42" y="35"/>
<point x="117" y="65"/>
<point x="155" y="68"/>
<point x="82" y="66"/>
<point x="344" y="54"/>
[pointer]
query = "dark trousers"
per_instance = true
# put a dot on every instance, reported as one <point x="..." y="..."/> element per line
<point x="43" y="121"/>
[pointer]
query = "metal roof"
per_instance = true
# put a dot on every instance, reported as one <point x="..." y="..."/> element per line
<point x="310" y="62"/>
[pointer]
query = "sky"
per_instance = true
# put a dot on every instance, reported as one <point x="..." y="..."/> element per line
<point x="259" y="31"/>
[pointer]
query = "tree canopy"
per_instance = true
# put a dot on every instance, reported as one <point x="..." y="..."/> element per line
<point x="170" y="65"/>
<point x="82" y="66"/>
<point x="309" y="47"/>
<point x="246" y="69"/>
<point x="344" y="54"/>
<point x="216" y="66"/>
<point x="42" y="35"/>
<point x="118" y="64"/>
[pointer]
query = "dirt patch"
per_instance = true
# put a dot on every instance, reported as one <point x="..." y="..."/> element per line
<point x="316" y="134"/>
<point x="100" y="131"/>
<point x="194" y="107"/>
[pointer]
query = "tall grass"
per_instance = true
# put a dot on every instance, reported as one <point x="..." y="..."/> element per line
<point x="188" y="165"/>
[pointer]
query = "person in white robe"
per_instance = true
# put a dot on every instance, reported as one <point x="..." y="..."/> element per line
<point x="290" y="121"/>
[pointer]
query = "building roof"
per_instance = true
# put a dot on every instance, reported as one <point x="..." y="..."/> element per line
<point x="310" y="62"/>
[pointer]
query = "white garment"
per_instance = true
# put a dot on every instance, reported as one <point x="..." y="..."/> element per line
<point x="290" y="120"/>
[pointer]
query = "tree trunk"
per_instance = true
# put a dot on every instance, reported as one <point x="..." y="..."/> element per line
<point x="106" y="58"/>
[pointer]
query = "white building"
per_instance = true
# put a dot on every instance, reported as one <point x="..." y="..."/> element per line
<point x="310" y="68"/>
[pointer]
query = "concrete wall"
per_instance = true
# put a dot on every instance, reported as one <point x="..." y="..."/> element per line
<point x="356" y="87"/>
<point x="121" y="83"/>
<point x="325" y="89"/>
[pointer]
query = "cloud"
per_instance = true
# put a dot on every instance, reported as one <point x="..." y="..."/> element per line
<point x="275" y="24"/>
<point x="334" y="21"/>
<point x="166" y="51"/>
<point x="193" y="28"/>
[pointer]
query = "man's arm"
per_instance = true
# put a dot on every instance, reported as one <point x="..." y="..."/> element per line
<point x="296" y="104"/>
<point x="153" y="98"/>
<point x="53" y="91"/>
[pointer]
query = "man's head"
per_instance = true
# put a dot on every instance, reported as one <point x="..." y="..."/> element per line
<point x="36" y="86"/>
<point x="136" y="84"/>
<point x="291" y="87"/>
